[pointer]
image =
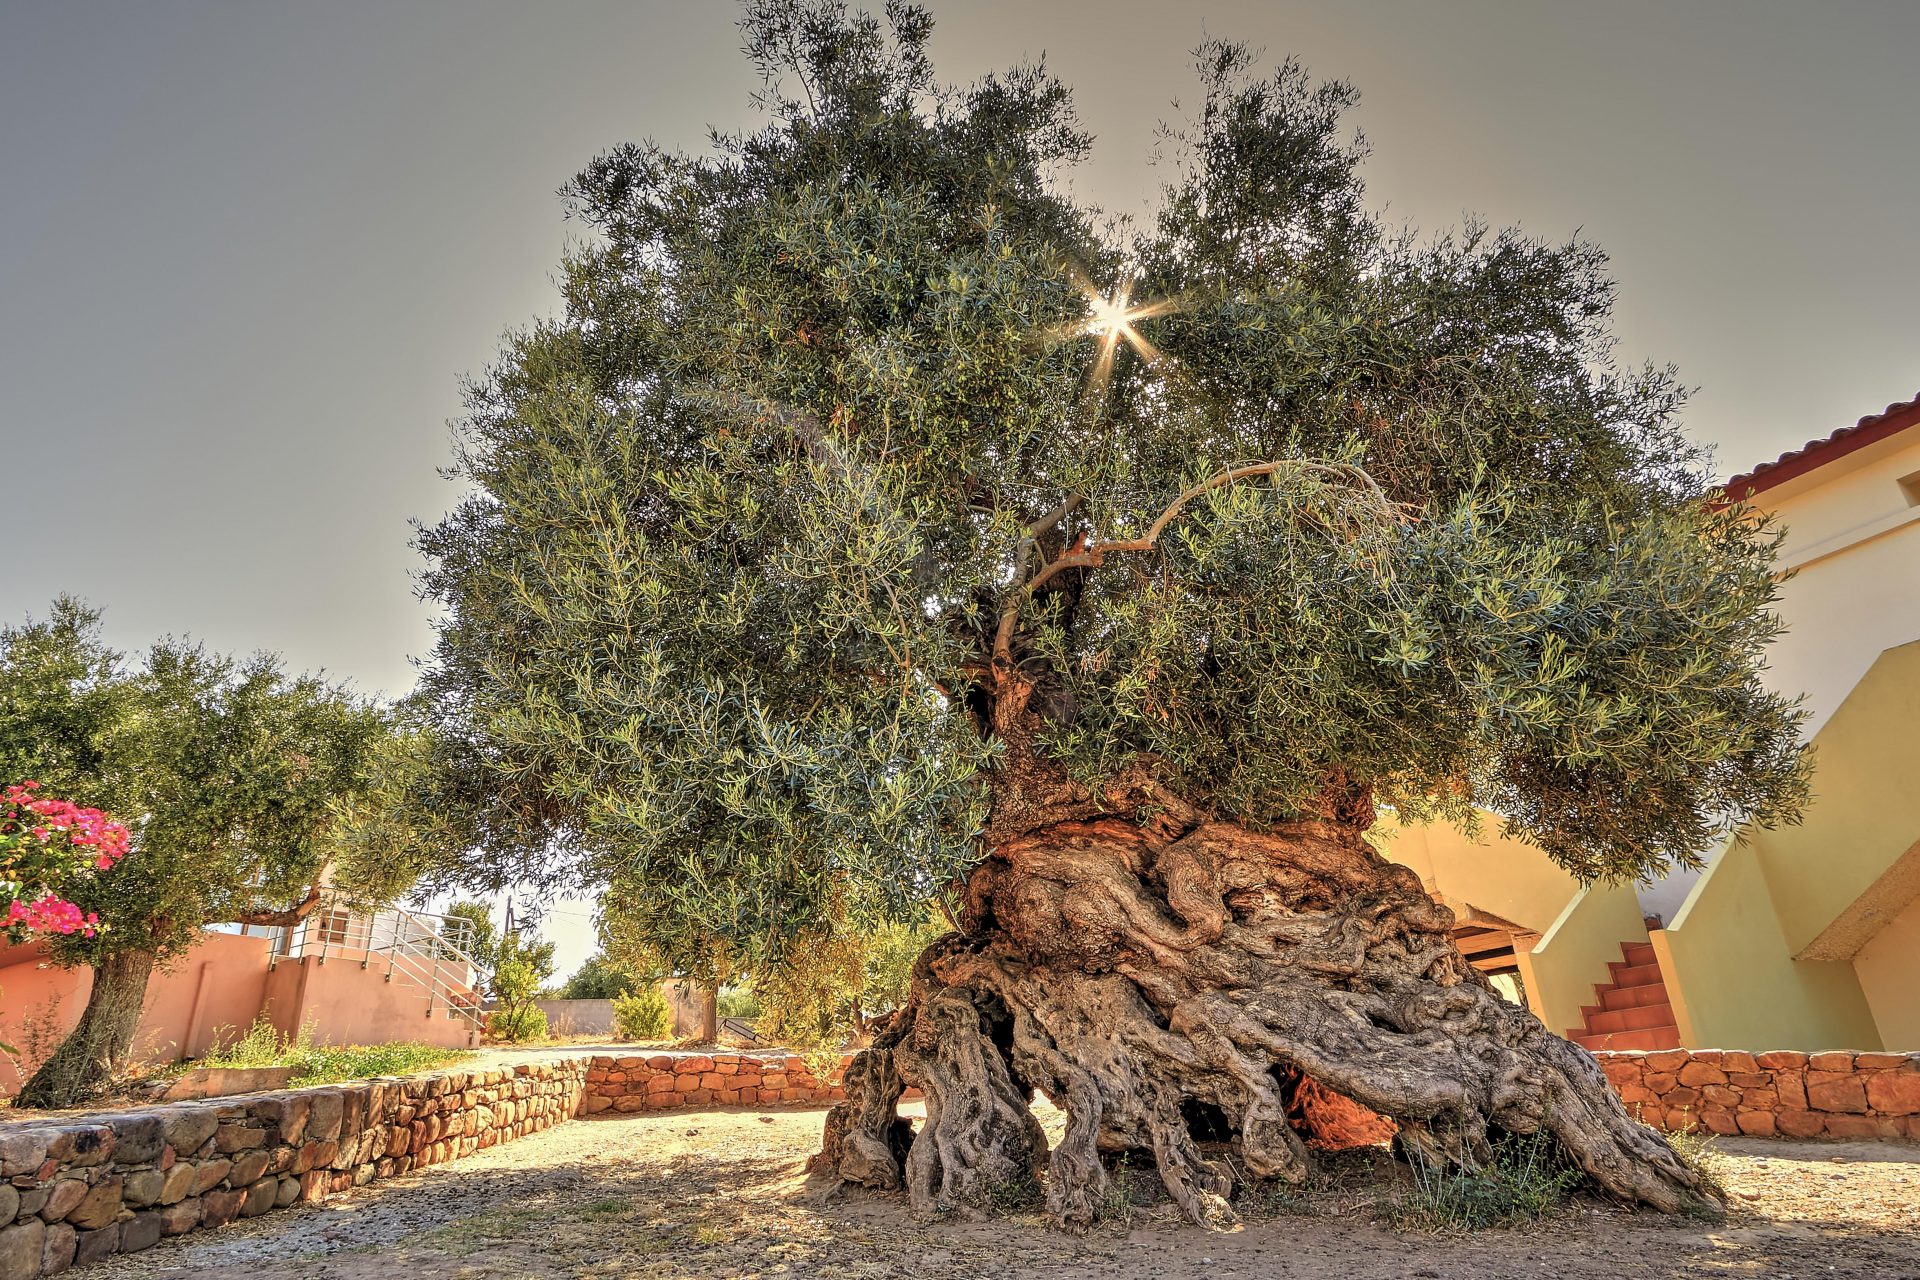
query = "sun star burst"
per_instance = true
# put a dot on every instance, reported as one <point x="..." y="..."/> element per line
<point x="1113" y="320"/>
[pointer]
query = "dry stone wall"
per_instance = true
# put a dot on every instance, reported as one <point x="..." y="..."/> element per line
<point x="1792" y="1095"/>
<point x="77" y="1191"/>
<point x="662" y="1081"/>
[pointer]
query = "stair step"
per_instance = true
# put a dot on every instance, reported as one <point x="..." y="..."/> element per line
<point x="1639" y="953"/>
<point x="1644" y="1040"/>
<point x="1632" y="997"/>
<point x="1638" y="1019"/>
<point x="1633" y="975"/>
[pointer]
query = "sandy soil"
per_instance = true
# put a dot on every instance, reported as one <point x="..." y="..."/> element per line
<point x="722" y="1194"/>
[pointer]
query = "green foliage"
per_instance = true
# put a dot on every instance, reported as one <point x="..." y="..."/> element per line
<point x="766" y="521"/>
<point x="485" y="944"/>
<point x="597" y="979"/>
<point x="515" y="1023"/>
<point x="642" y="1014"/>
<point x="1527" y="1178"/>
<point x="888" y="971"/>
<point x="522" y="967"/>
<point x="265" y="1046"/>
<point x="238" y="782"/>
<point x="735" y="1002"/>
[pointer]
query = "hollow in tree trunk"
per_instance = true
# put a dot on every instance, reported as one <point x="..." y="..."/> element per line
<point x="87" y="1059"/>
<point x="1204" y="995"/>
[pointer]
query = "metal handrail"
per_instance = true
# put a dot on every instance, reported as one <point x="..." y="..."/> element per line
<point x="417" y="945"/>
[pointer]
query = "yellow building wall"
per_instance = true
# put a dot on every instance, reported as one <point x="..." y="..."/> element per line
<point x="1572" y="956"/>
<point x="1865" y="812"/>
<point x="1488" y="870"/>
<point x="1735" y="985"/>
<point x="1889" y="971"/>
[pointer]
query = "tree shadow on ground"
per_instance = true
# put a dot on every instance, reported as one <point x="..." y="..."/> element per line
<point x="723" y="1194"/>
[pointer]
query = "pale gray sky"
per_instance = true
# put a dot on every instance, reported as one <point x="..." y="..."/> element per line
<point x="248" y="249"/>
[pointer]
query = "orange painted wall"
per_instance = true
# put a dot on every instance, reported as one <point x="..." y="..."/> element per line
<point x="215" y="988"/>
<point x="347" y="1004"/>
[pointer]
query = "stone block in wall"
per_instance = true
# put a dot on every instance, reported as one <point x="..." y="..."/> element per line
<point x="1836" y="1061"/>
<point x="178" y="1219"/>
<point x="63" y="1197"/>
<point x="212" y="1173"/>
<point x="137" y="1139"/>
<point x="143" y="1187"/>
<point x="93" y="1246"/>
<point x="21" y="1248"/>
<point x="82" y="1146"/>
<point x="1800" y="1124"/>
<point x="186" y="1129"/>
<point x="259" y="1199"/>
<point x="1895" y="1093"/>
<point x="218" y="1208"/>
<point x="236" y="1135"/>
<point x="247" y="1168"/>
<point x="141" y="1231"/>
<point x="1835" y="1091"/>
<point x="22" y="1152"/>
<point x="1852" y="1126"/>
<point x="1697" y="1073"/>
<point x="323" y="1116"/>
<point x="57" y="1254"/>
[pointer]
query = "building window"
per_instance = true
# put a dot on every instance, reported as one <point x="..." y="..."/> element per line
<point x="1910" y="489"/>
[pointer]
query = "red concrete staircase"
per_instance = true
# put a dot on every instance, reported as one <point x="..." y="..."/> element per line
<point x="1634" y="1011"/>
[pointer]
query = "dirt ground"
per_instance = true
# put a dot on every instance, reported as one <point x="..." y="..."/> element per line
<point x="722" y="1194"/>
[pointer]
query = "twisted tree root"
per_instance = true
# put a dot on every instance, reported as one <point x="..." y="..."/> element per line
<point x="1157" y="986"/>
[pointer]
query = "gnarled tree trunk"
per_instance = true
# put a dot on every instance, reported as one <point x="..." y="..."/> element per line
<point x="1188" y="988"/>
<point x="100" y="1041"/>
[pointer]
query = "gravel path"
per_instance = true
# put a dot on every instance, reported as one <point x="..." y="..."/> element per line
<point x="722" y="1194"/>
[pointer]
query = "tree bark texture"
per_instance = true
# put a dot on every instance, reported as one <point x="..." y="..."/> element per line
<point x="87" y="1059"/>
<point x="1209" y="996"/>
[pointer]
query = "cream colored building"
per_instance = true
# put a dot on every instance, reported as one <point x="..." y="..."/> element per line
<point x="1807" y="937"/>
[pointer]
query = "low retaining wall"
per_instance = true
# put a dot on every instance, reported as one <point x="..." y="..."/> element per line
<point x="1793" y="1095"/>
<point x="660" y="1081"/>
<point x="77" y="1191"/>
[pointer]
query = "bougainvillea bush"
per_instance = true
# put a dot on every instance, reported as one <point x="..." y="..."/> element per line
<point x="46" y="843"/>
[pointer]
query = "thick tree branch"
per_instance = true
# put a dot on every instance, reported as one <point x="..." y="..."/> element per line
<point x="284" y="918"/>
<point x="1096" y="553"/>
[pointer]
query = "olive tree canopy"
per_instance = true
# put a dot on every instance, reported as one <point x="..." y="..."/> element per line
<point x="873" y="507"/>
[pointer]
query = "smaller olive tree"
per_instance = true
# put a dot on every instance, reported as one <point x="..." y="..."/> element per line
<point x="245" y="790"/>
<point x="598" y="979"/>
<point x="522" y="969"/>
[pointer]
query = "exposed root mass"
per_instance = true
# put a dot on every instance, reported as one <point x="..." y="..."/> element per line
<point x="1209" y="998"/>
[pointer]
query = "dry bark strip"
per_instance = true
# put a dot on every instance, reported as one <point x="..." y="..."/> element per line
<point x="1168" y="986"/>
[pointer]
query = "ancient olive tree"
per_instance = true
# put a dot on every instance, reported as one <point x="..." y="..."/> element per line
<point x="872" y="529"/>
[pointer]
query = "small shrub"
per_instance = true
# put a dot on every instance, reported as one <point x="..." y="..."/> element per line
<point x="517" y="1023"/>
<point x="643" y="1015"/>
<point x="1698" y="1152"/>
<point x="1527" y="1179"/>
<point x="733" y="1002"/>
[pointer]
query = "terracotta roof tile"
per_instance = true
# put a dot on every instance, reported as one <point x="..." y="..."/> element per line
<point x="1817" y="453"/>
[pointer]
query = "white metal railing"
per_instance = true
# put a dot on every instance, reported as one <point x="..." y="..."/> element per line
<point x="422" y="948"/>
